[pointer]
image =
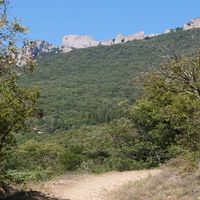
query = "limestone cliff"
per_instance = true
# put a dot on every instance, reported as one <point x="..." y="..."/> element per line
<point x="194" y="23"/>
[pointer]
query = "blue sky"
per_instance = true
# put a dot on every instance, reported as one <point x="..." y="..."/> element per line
<point x="103" y="19"/>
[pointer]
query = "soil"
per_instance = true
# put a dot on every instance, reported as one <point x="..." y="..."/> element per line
<point x="91" y="187"/>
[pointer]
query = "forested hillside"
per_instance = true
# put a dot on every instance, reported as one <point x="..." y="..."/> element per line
<point x="85" y="86"/>
<point x="129" y="106"/>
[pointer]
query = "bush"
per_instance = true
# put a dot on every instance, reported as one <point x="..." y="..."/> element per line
<point x="34" y="160"/>
<point x="71" y="160"/>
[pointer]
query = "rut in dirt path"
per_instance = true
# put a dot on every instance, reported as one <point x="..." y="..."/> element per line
<point x="93" y="187"/>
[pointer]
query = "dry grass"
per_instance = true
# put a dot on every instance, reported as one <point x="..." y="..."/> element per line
<point x="179" y="180"/>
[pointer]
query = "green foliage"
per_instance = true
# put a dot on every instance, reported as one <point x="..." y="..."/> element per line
<point x="71" y="160"/>
<point x="87" y="149"/>
<point x="83" y="88"/>
<point x="89" y="83"/>
<point x="25" y="175"/>
<point x="34" y="160"/>
<point x="130" y="152"/>
<point x="166" y="119"/>
<point x="17" y="103"/>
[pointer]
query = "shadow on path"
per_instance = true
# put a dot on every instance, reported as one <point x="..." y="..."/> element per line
<point x="29" y="195"/>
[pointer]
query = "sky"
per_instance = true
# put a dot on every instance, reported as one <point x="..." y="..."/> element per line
<point x="50" y="20"/>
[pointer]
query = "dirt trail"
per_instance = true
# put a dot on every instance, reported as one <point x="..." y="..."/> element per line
<point x="93" y="187"/>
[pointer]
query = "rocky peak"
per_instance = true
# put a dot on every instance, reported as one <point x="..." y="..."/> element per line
<point x="136" y="36"/>
<point x="71" y="42"/>
<point x="77" y="42"/>
<point x="194" y="23"/>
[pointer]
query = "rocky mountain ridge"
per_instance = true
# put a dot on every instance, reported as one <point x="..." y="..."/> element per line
<point x="71" y="42"/>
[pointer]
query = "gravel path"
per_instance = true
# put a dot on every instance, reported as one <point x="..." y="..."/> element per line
<point x="93" y="187"/>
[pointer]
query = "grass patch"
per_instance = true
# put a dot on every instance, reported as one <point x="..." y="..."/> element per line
<point x="179" y="180"/>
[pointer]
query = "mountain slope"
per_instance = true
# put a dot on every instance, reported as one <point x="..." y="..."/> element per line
<point x="84" y="86"/>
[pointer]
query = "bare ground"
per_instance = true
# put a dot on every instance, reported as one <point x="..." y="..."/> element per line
<point x="92" y="187"/>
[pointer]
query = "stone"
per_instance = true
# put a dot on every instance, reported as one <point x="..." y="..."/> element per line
<point x="120" y="38"/>
<point x="107" y="42"/>
<point x="71" y="42"/>
<point x="136" y="36"/>
<point x="32" y="49"/>
<point x="194" y="23"/>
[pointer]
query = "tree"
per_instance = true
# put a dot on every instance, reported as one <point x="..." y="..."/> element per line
<point x="166" y="118"/>
<point x="169" y="112"/>
<point x="17" y="103"/>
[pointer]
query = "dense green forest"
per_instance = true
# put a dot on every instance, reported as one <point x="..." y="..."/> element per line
<point x="84" y="87"/>
<point x="80" y="96"/>
<point x="82" y="124"/>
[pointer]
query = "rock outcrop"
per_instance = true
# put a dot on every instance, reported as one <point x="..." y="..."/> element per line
<point x="136" y="36"/>
<point x="71" y="42"/>
<point x="194" y="23"/>
<point x="37" y="47"/>
<point x="107" y="42"/>
<point x="33" y="49"/>
<point x="120" y="38"/>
